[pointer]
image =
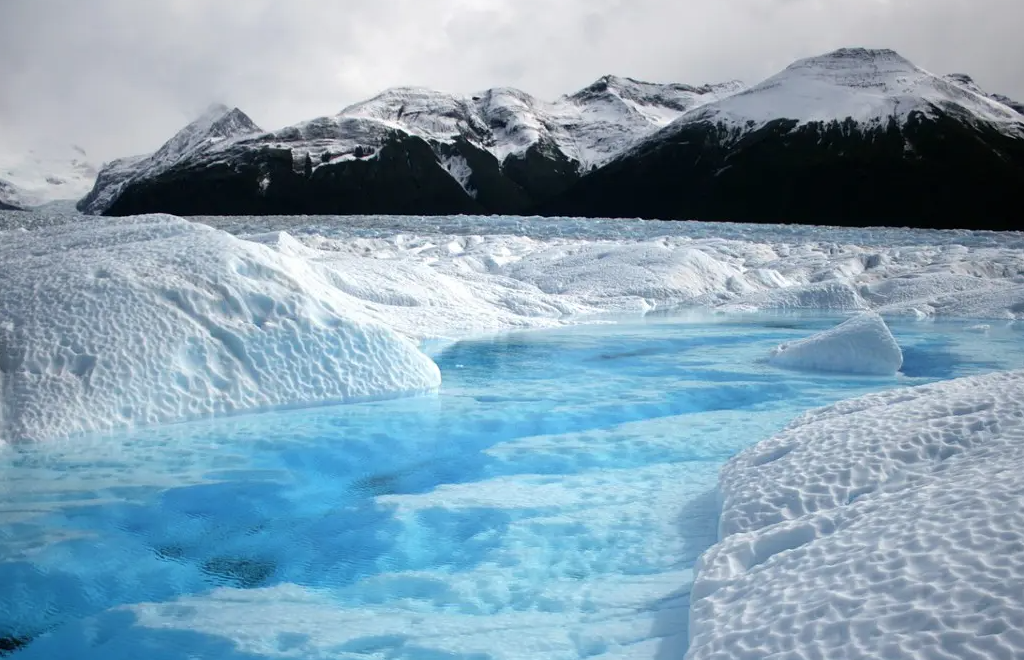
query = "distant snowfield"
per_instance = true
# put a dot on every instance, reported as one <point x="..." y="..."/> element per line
<point x="110" y="323"/>
<point x="51" y="175"/>
<point x="446" y="278"/>
<point x="887" y="526"/>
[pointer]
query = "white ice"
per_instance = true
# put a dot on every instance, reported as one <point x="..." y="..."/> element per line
<point x="198" y="311"/>
<point x="156" y="319"/>
<point x="887" y="526"/>
<point x="860" y="345"/>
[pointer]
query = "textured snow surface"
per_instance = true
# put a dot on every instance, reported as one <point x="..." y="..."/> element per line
<point x="156" y="319"/>
<point x="860" y="345"/>
<point x="109" y="323"/>
<point x="887" y="526"/>
<point x="448" y="277"/>
<point x="867" y="86"/>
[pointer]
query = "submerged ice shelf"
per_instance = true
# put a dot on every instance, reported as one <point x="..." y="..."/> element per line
<point x="551" y="502"/>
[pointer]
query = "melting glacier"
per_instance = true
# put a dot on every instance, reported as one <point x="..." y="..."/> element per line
<point x="550" y="500"/>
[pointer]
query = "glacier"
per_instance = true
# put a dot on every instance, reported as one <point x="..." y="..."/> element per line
<point x="870" y="524"/>
<point x="115" y="323"/>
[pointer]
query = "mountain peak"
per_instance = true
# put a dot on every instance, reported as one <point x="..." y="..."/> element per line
<point x="869" y="86"/>
<point x="213" y="111"/>
<point x="606" y="83"/>
<point x="218" y="122"/>
<point x="860" y="54"/>
<point x="856" y="62"/>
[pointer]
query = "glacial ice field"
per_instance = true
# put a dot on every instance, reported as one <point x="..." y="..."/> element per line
<point x="114" y="323"/>
<point x="448" y="438"/>
<point x="549" y="502"/>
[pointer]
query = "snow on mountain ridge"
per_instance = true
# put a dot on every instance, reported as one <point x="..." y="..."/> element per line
<point x="1008" y="102"/>
<point x="589" y="127"/>
<point x="218" y="123"/>
<point x="217" y="126"/>
<point x="868" y="86"/>
<point x="968" y="82"/>
<point x="507" y="121"/>
<point x="592" y="126"/>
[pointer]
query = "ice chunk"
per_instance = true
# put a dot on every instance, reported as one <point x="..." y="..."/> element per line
<point x="112" y="323"/>
<point x="861" y="345"/>
<point x="882" y="527"/>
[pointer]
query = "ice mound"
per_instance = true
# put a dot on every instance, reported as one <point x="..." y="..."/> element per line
<point x="861" y="345"/>
<point x="887" y="526"/>
<point x="152" y="319"/>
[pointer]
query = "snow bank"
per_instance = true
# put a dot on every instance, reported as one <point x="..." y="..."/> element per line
<point x="155" y="319"/>
<point x="887" y="526"/>
<point x="860" y="345"/>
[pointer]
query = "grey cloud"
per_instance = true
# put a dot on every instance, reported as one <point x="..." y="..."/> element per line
<point x="119" y="76"/>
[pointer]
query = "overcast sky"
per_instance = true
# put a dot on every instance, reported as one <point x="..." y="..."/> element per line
<point x="119" y="77"/>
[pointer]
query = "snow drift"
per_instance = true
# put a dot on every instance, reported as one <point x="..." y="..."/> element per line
<point x="860" y="345"/>
<point x="156" y="319"/>
<point x="880" y="527"/>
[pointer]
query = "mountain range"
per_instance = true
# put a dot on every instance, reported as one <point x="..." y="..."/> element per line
<point x="853" y="137"/>
<point x="407" y="150"/>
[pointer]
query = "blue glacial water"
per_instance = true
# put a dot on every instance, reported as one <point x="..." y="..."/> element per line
<point x="549" y="502"/>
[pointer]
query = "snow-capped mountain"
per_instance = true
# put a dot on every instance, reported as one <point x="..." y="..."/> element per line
<point x="615" y="112"/>
<point x="855" y="136"/>
<point x="868" y="86"/>
<point x="589" y="127"/>
<point x="45" y="175"/>
<point x="501" y="150"/>
<point x="219" y="125"/>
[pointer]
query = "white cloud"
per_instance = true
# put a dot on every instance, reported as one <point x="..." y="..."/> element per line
<point x="119" y="76"/>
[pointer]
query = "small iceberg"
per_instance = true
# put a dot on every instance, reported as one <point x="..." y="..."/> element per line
<point x="860" y="345"/>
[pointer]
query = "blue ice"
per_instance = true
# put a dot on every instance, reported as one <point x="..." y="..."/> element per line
<point x="549" y="502"/>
